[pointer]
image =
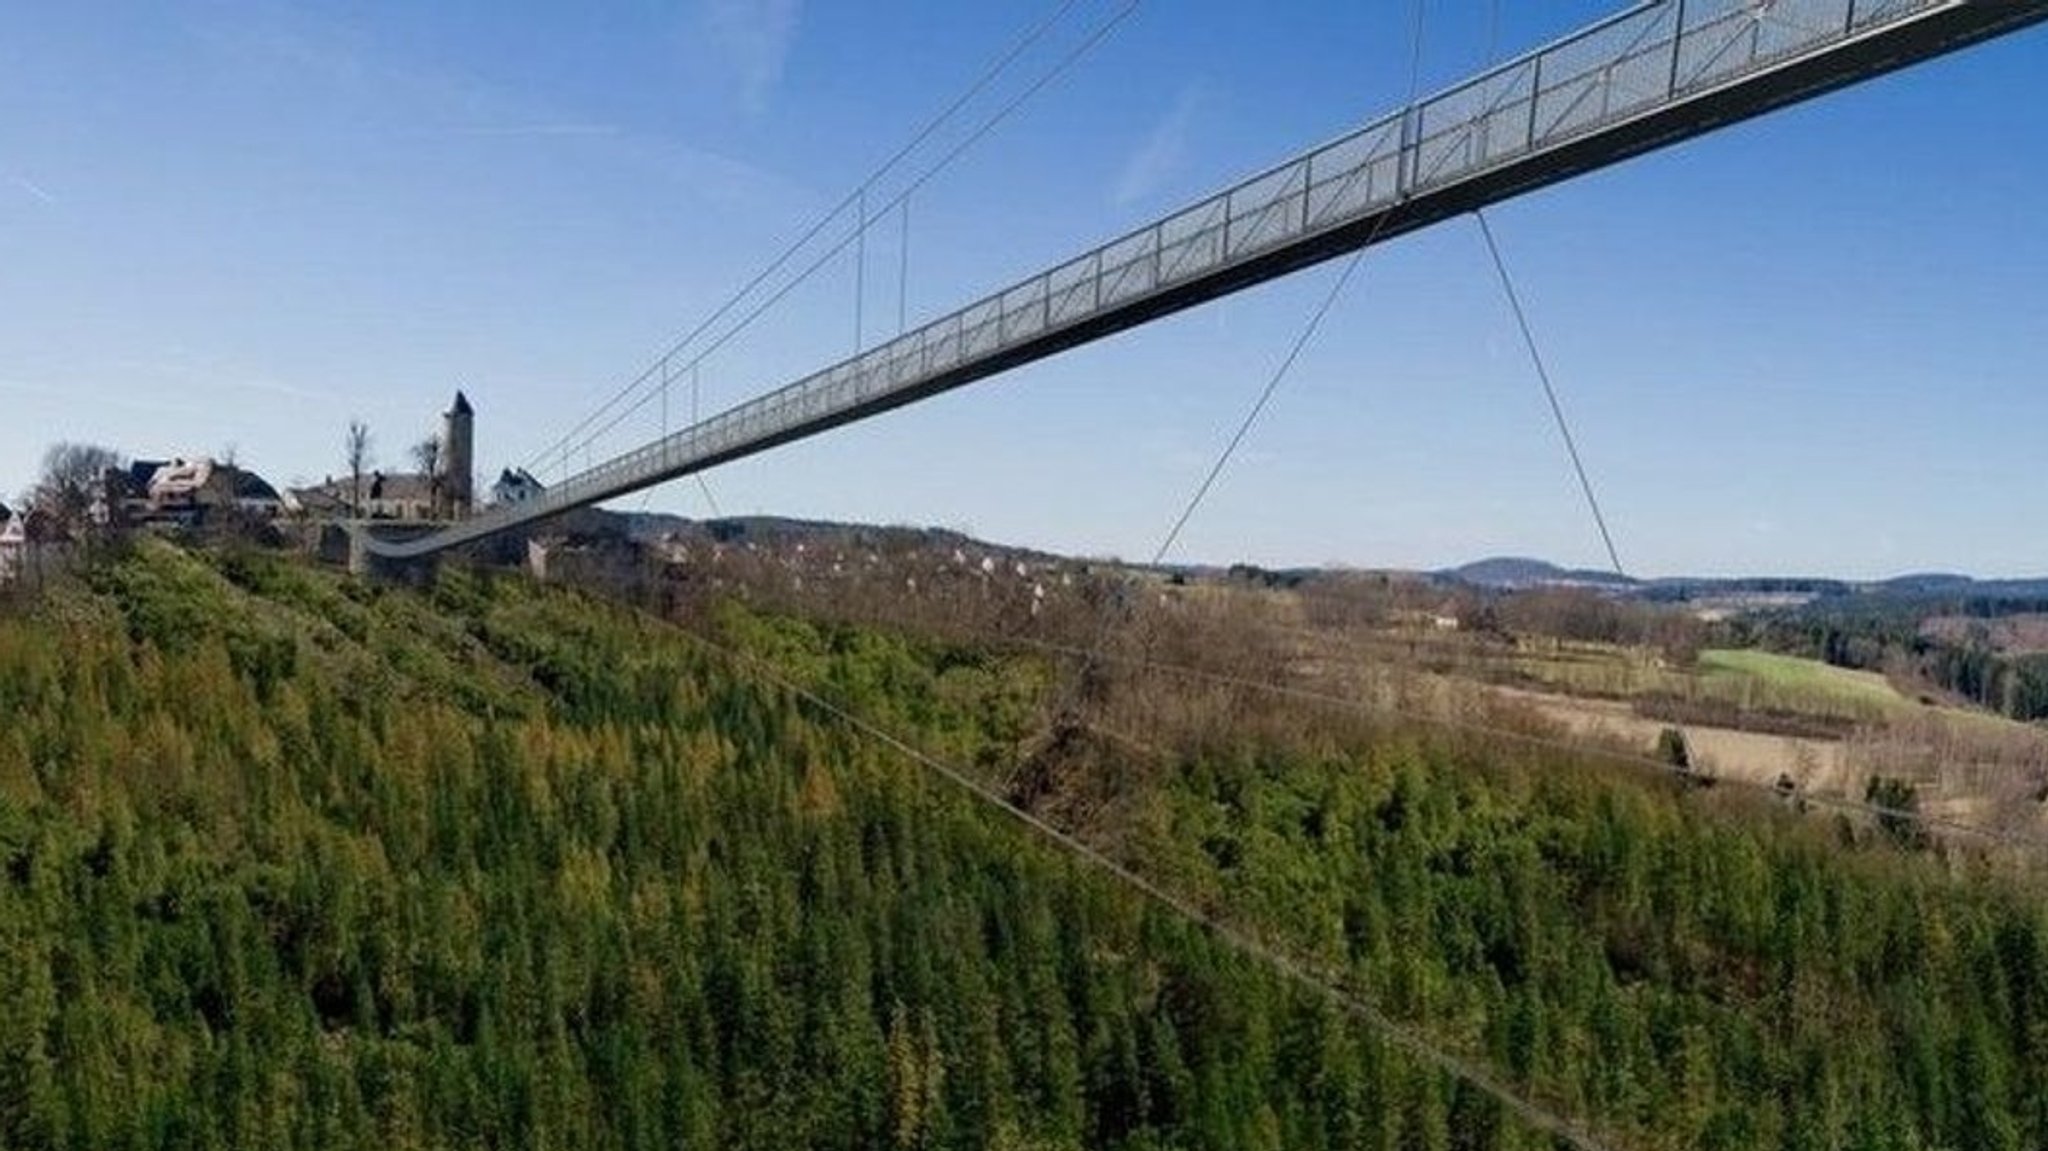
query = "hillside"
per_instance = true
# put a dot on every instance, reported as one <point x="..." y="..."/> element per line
<point x="1513" y="572"/>
<point x="289" y="861"/>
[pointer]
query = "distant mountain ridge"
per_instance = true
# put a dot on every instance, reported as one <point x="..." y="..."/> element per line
<point x="1516" y="572"/>
<point x="773" y="531"/>
<point x="1494" y="573"/>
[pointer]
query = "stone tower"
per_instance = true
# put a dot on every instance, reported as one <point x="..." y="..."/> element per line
<point x="458" y="457"/>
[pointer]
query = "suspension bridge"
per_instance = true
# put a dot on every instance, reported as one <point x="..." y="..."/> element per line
<point x="1653" y="75"/>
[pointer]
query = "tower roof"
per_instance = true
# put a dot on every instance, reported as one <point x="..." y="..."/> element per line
<point x="461" y="406"/>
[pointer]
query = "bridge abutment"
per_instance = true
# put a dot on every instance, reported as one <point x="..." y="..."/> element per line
<point x="366" y="564"/>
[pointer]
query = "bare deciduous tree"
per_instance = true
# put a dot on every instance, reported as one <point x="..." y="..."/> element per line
<point x="74" y="480"/>
<point x="427" y="455"/>
<point x="356" y="446"/>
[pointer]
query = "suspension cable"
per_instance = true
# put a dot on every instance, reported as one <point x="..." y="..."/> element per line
<point x="860" y="277"/>
<point x="1062" y="713"/>
<point x="1066" y="62"/>
<point x="903" y="271"/>
<point x="989" y="75"/>
<point x="1251" y="417"/>
<point x="1301" y="341"/>
<point x="703" y="485"/>
<point x="1415" y="52"/>
<point x="1564" y="428"/>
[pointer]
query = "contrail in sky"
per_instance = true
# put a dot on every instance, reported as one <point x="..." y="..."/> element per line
<point x="33" y="189"/>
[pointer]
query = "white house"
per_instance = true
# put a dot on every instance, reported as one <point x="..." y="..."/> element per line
<point x="13" y="540"/>
<point x="177" y="486"/>
<point x="515" y="486"/>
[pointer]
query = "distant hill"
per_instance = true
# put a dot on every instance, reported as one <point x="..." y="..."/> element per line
<point x="775" y="530"/>
<point x="1515" y="572"/>
<point x="1927" y="583"/>
<point x="779" y="533"/>
<point x="1518" y="573"/>
<point x="1495" y="573"/>
<point x="1962" y="587"/>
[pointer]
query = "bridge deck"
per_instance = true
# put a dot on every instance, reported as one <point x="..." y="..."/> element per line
<point x="1656" y="74"/>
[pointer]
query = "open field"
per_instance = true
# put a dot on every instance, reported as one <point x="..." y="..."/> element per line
<point x="1787" y="683"/>
<point x="1748" y="715"/>
<point x="1748" y="681"/>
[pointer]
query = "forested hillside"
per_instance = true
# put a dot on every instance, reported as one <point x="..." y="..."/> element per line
<point x="290" y="861"/>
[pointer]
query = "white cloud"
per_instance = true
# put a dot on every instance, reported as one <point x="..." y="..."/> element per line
<point x="753" y="39"/>
<point x="33" y="189"/>
<point x="1159" y="155"/>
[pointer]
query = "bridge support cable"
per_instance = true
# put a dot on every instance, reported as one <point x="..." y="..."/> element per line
<point x="703" y="484"/>
<point x="1258" y="408"/>
<point x="1421" y="21"/>
<point x="995" y="119"/>
<point x="989" y="74"/>
<point x="1564" y="427"/>
<point x="1063" y="713"/>
<point x="1657" y="73"/>
<point x="903" y="270"/>
<point x="1242" y="940"/>
<point x="860" y="275"/>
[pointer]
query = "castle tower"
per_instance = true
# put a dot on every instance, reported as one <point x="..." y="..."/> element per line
<point x="458" y="457"/>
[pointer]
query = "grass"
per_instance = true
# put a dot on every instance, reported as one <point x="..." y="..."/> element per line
<point x="1788" y="683"/>
<point x="1750" y="680"/>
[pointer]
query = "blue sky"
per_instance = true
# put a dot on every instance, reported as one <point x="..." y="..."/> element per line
<point x="1812" y="343"/>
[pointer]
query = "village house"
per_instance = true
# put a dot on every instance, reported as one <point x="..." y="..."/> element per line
<point x="254" y="495"/>
<point x="127" y="491"/>
<point x="185" y="491"/>
<point x="394" y="496"/>
<point x="28" y="544"/>
<point x="398" y="496"/>
<point x="515" y="486"/>
<point x="326" y="500"/>
<point x="12" y="539"/>
<point x="180" y="488"/>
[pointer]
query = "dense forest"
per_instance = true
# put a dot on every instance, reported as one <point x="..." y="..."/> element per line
<point x="288" y="860"/>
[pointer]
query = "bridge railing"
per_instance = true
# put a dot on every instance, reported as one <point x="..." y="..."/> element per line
<point x="1640" y="59"/>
